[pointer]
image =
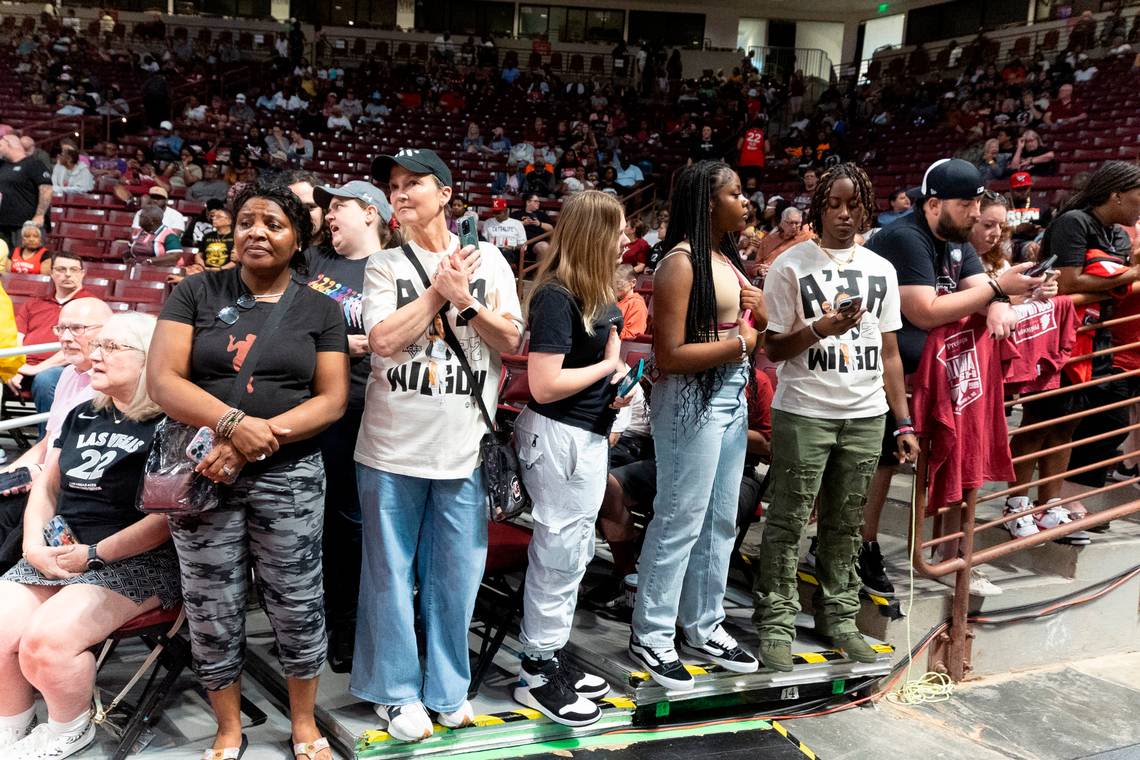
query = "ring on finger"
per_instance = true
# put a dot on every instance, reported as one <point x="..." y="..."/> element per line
<point x="261" y="458"/>
<point x="227" y="469"/>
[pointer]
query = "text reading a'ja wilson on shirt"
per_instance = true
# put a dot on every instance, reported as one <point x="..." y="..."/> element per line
<point x="433" y="379"/>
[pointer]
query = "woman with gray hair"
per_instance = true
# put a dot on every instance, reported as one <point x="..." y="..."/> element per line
<point x="92" y="562"/>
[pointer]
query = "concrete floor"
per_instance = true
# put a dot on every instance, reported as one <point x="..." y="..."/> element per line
<point x="1082" y="710"/>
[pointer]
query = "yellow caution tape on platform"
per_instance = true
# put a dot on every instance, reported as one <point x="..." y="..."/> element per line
<point x="376" y="736"/>
<point x="784" y="733"/>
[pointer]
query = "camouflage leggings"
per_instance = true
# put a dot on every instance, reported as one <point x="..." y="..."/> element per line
<point x="276" y="518"/>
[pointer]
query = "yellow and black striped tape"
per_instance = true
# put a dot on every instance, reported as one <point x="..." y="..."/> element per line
<point x="879" y="601"/>
<point x="801" y="658"/>
<point x="521" y="714"/>
<point x="784" y="733"/>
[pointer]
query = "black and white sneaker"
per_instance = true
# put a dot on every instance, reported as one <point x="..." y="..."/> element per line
<point x="663" y="664"/>
<point x="586" y="684"/>
<point x="869" y="566"/>
<point x="545" y="686"/>
<point x="722" y="649"/>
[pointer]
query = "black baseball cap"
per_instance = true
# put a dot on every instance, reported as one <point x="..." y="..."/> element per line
<point x="952" y="179"/>
<point x="415" y="160"/>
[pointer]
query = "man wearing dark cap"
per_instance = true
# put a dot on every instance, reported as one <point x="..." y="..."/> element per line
<point x="357" y="215"/>
<point x="422" y="496"/>
<point x="941" y="280"/>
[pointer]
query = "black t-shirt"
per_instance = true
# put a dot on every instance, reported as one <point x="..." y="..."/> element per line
<point x="1043" y="169"/>
<point x="283" y="377"/>
<point x="705" y="150"/>
<point x="919" y="258"/>
<point x="1075" y="232"/>
<point x="216" y="249"/>
<point x="533" y="230"/>
<point x="556" y="327"/>
<point x="20" y="183"/>
<point x="101" y="461"/>
<point x="342" y="280"/>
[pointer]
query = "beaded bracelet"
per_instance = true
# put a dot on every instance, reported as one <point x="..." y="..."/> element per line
<point x="229" y="422"/>
<point x="743" y="349"/>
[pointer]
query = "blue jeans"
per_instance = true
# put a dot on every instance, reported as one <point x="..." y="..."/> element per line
<point x="43" y="391"/>
<point x="430" y="534"/>
<point x="683" y="570"/>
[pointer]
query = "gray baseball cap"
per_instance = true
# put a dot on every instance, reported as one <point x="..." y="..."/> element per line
<point x="359" y="190"/>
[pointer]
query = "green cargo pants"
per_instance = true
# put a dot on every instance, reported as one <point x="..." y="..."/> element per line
<point x="835" y="460"/>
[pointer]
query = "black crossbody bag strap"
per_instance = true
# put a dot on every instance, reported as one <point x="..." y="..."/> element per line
<point x="255" y="351"/>
<point x="452" y="340"/>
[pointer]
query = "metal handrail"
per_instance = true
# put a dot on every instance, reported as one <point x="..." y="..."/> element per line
<point x="37" y="348"/>
<point x="954" y="648"/>
<point x="27" y="420"/>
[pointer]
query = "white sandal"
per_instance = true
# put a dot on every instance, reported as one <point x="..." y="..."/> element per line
<point x="229" y="753"/>
<point x="310" y="750"/>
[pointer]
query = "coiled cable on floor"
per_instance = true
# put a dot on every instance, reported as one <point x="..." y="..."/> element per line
<point x="930" y="686"/>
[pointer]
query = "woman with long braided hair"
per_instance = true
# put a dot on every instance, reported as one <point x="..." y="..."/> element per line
<point x="1094" y="256"/>
<point x="835" y="309"/>
<point x="702" y="342"/>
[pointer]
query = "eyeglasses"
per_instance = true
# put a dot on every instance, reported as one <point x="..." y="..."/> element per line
<point x="108" y="347"/>
<point x="76" y="330"/>
<point x="230" y="314"/>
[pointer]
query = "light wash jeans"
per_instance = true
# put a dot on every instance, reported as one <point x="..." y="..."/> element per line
<point x="683" y="570"/>
<point x="430" y="534"/>
<point x="564" y="471"/>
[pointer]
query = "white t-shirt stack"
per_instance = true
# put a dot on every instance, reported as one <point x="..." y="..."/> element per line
<point x="420" y="418"/>
<point x="840" y="377"/>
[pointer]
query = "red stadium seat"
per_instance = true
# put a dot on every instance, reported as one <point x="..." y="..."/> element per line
<point x="148" y="273"/>
<point x="99" y="287"/>
<point x="28" y="285"/>
<point x="138" y="292"/>
<point x="80" y="231"/>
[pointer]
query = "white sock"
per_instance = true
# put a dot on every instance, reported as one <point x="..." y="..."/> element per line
<point x="19" y="720"/>
<point x="73" y="727"/>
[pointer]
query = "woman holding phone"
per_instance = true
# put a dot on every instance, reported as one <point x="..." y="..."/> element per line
<point x="562" y="441"/>
<point x="702" y="344"/>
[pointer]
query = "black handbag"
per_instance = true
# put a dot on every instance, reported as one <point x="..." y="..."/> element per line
<point x="506" y="496"/>
<point x="169" y="483"/>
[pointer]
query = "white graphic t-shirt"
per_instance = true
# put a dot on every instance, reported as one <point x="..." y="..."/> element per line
<point x="840" y="377"/>
<point x="420" y="417"/>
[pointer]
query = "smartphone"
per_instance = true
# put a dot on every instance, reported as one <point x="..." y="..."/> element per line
<point x="632" y="378"/>
<point x="848" y="305"/>
<point x="18" y="477"/>
<point x="1041" y="267"/>
<point x="467" y="233"/>
<point x="200" y="445"/>
<point x="58" y="533"/>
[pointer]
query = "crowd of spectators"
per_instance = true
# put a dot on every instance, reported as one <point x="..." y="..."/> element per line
<point x="730" y="251"/>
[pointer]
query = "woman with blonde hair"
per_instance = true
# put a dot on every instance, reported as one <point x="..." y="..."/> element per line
<point x="572" y="366"/>
<point x="64" y="597"/>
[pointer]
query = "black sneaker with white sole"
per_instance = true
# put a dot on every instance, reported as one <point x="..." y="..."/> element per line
<point x="545" y="686"/>
<point x="869" y="566"/>
<point x="663" y="664"/>
<point x="722" y="649"/>
<point x="586" y="684"/>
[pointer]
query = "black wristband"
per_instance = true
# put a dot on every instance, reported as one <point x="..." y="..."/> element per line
<point x="999" y="294"/>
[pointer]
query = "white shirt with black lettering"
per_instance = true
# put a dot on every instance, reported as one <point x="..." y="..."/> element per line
<point x="839" y="377"/>
<point x="420" y="417"/>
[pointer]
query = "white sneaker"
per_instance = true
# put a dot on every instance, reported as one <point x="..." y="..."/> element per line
<point x="464" y="716"/>
<point x="1023" y="526"/>
<point x="408" y="723"/>
<point x="44" y="744"/>
<point x="1059" y="515"/>
<point x="9" y="736"/>
<point x="980" y="585"/>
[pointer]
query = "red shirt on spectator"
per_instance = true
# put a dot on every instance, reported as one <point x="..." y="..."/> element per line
<point x="752" y="151"/>
<point x="636" y="253"/>
<point x="635" y="315"/>
<point x="36" y="318"/>
<point x="959" y="405"/>
<point x="1059" y="109"/>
